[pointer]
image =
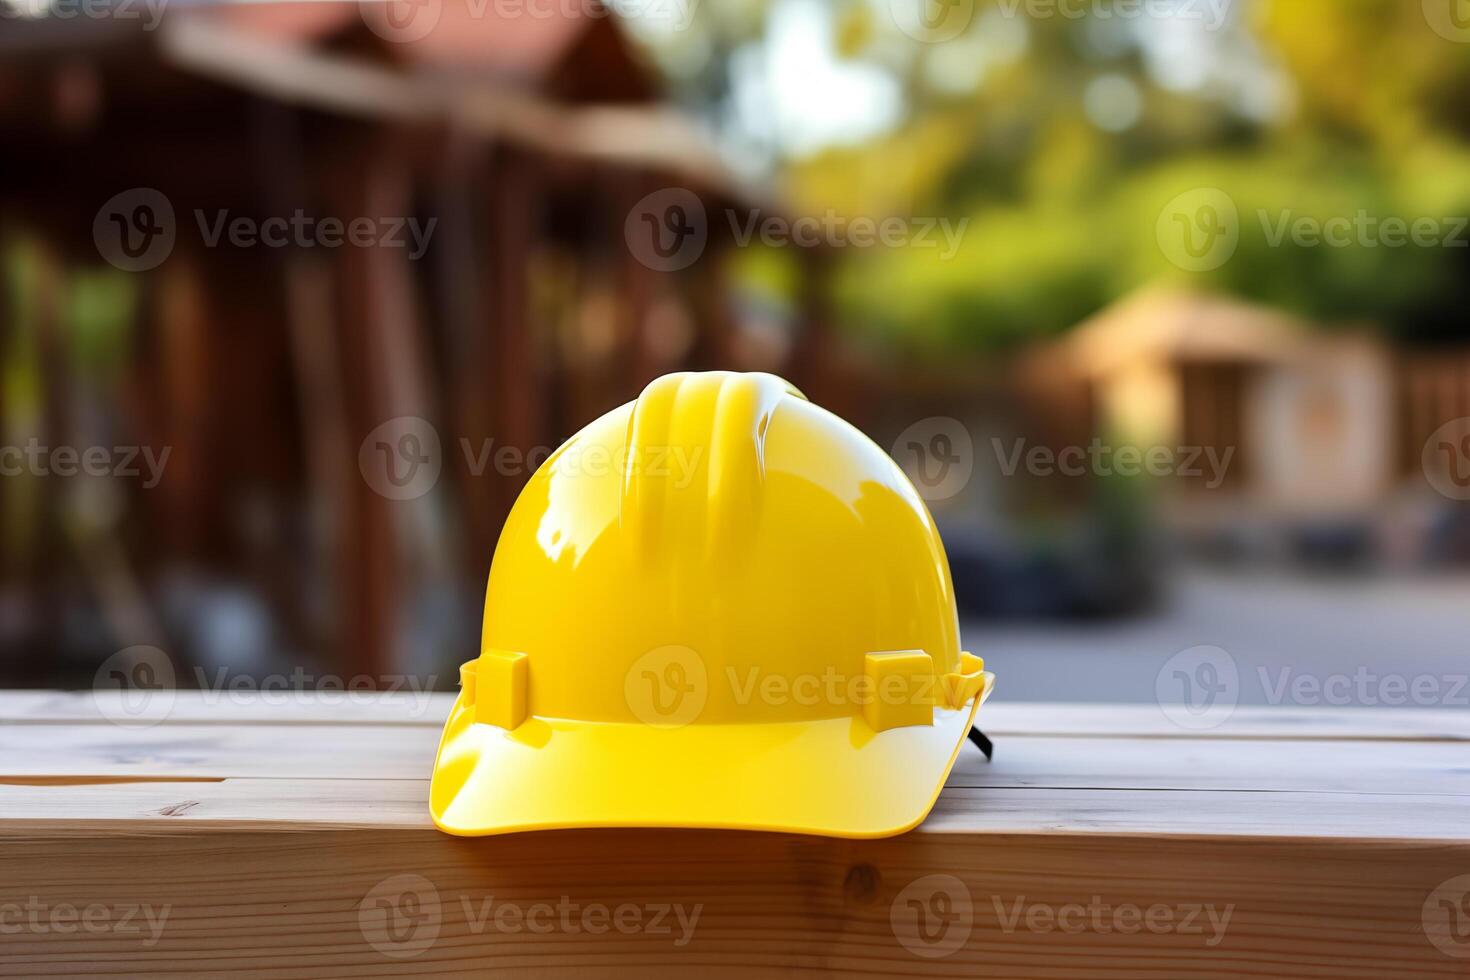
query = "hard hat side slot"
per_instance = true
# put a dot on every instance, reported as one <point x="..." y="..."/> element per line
<point x="496" y="686"/>
<point x="900" y="689"/>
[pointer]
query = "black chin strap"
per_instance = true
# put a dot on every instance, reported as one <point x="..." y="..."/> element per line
<point x="984" y="743"/>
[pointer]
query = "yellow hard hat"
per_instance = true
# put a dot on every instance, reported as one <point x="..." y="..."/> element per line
<point x="716" y="606"/>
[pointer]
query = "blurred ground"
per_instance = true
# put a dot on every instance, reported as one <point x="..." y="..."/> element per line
<point x="1366" y="630"/>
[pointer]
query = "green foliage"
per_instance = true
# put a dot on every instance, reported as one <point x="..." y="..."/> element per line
<point x="1303" y="111"/>
<point x="101" y="305"/>
<point x="1018" y="273"/>
<point x="1281" y="199"/>
<point x="1032" y="271"/>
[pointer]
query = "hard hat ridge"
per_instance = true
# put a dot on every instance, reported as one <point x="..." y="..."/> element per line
<point x="691" y="432"/>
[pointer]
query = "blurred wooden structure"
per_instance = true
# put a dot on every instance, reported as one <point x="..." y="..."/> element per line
<point x="1322" y="424"/>
<point x="294" y="839"/>
<point x="528" y="138"/>
<point x="1433" y="388"/>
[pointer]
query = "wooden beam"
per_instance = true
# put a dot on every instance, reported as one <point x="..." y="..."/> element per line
<point x="632" y="137"/>
<point x="52" y="355"/>
<point x="291" y="836"/>
<point x="9" y="564"/>
<point x="385" y="375"/>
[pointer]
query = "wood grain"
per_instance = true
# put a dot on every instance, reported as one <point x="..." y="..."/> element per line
<point x="407" y="752"/>
<point x="210" y="806"/>
<point x="292" y="839"/>
<point x="289" y="904"/>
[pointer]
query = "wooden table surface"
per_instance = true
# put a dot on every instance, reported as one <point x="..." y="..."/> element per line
<point x="276" y="836"/>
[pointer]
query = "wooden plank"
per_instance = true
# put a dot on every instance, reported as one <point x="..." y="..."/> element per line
<point x="407" y="752"/>
<point x="88" y="808"/>
<point x="1333" y="766"/>
<point x="1039" y="718"/>
<point x="415" y="703"/>
<point x="286" y="841"/>
<point x="329" y="904"/>
<point x="218" y="751"/>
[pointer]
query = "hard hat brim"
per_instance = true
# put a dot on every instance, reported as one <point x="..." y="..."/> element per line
<point x="834" y="777"/>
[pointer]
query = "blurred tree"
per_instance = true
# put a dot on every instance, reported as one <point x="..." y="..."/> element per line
<point x="1371" y="70"/>
<point x="1060" y="131"/>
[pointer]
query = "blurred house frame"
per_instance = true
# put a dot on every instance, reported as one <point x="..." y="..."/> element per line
<point x="529" y="139"/>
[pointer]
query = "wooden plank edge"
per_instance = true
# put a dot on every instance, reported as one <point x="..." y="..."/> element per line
<point x="401" y="806"/>
<point x="1038" y="719"/>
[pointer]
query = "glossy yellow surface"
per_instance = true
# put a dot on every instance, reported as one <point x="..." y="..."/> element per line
<point x="697" y="581"/>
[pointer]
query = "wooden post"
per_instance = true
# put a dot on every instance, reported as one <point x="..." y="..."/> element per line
<point x="715" y="346"/>
<point x="514" y="367"/>
<point x="307" y="300"/>
<point x="812" y="365"/>
<point x="49" y="543"/>
<point x="184" y="365"/>
<point x="459" y="189"/>
<point x="386" y="377"/>
<point x="7" y="351"/>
